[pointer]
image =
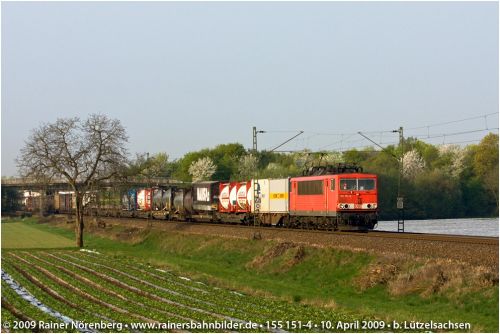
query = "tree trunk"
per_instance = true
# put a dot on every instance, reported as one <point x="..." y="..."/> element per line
<point x="79" y="219"/>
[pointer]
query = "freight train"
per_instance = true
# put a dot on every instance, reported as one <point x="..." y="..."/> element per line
<point x="337" y="200"/>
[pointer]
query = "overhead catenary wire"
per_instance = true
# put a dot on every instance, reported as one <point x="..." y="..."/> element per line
<point x="344" y="140"/>
<point x="363" y="148"/>
<point x="455" y="121"/>
<point x="344" y="144"/>
<point x="288" y="140"/>
<point x="428" y="126"/>
<point x="452" y="133"/>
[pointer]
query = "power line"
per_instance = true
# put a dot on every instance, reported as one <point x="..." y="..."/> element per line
<point x="465" y="141"/>
<point x="428" y="136"/>
<point x="363" y="149"/>
<point x="288" y="140"/>
<point x="452" y="134"/>
<point x="344" y="140"/>
<point x="455" y="121"/>
<point x="281" y="131"/>
<point x="314" y="133"/>
<point x="345" y="148"/>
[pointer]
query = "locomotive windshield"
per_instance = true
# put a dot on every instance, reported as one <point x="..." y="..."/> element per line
<point x="357" y="184"/>
<point x="348" y="184"/>
<point x="366" y="184"/>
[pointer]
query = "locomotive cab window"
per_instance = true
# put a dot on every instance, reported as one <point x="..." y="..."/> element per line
<point x="332" y="184"/>
<point x="357" y="184"/>
<point x="348" y="184"/>
<point x="366" y="184"/>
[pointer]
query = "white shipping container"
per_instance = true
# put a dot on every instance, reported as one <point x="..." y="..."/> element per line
<point x="273" y="196"/>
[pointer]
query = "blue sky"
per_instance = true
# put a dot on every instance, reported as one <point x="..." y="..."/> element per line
<point x="186" y="76"/>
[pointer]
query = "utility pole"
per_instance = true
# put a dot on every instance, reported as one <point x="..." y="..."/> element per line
<point x="400" y="205"/>
<point x="254" y="146"/>
<point x="150" y="190"/>
<point x="255" y="132"/>
<point x="255" y="184"/>
<point x="399" y="200"/>
<point x="256" y="187"/>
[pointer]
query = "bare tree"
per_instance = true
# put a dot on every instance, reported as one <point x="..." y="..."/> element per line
<point x="81" y="152"/>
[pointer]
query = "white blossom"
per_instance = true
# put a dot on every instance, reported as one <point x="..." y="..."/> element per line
<point x="273" y="166"/>
<point x="332" y="158"/>
<point x="247" y="166"/>
<point x="413" y="164"/>
<point x="456" y="156"/>
<point x="202" y="169"/>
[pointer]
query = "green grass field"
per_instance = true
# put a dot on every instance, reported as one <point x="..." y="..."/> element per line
<point x="22" y="234"/>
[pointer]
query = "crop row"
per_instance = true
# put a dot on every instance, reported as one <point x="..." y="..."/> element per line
<point x="24" y="310"/>
<point x="91" y="288"/>
<point x="88" y="286"/>
<point x="53" y="299"/>
<point x="222" y="312"/>
<point x="229" y="304"/>
<point x="8" y="319"/>
<point x="96" y="301"/>
<point x="265" y="308"/>
<point x="90" y="304"/>
<point x="106" y="294"/>
<point x="116" y="286"/>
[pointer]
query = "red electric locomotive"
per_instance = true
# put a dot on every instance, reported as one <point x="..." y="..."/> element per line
<point x="343" y="201"/>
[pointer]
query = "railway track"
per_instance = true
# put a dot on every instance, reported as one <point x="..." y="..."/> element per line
<point x="387" y="234"/>
<point x="436" y="237"/>
<point x="463" y="239"/>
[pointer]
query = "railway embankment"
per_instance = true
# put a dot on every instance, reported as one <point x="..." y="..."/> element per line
<point x="374" y="278"/>
<point x="481" y="251"/>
